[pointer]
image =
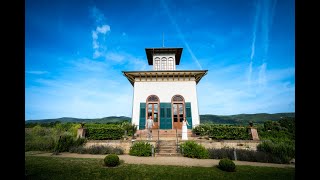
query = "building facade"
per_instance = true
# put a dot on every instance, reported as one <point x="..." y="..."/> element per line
<point x="166" y="94"/>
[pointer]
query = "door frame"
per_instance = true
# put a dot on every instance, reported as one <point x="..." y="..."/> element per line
<point x="172" y="111"/>
<point x="153" y="99"/>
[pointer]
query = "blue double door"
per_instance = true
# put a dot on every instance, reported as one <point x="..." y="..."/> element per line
<point x="165" y="115"/>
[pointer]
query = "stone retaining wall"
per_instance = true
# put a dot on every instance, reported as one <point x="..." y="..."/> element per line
<point x="126" y="144"/>
<point x="237" y="144"/>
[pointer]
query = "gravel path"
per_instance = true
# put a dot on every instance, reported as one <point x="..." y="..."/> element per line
<point x="177" y="161"/>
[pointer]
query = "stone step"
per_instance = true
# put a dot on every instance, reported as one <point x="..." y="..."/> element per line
<point x="168" y="147"/>
<point x="167" y="143"/>
<point x="167" y="151"/>
<point x="168" y="154"/>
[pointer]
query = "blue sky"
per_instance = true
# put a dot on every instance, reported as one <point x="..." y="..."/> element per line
<point x="75" y="52"/>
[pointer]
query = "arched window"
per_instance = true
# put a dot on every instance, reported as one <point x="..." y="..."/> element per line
<point x="178" y="111"/>
<point x="170" y="63"/>
<point x="153" y="98"/>
<point x="153" y="109"/>
<point x="163" y="63"/>
<point x="177" y="98"/>
<point x="157" y="63"/>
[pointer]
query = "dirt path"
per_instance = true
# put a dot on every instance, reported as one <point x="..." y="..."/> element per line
<point x="177" y="161"/>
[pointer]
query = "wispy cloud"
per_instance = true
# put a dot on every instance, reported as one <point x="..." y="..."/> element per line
<point x="99" y="34"/>
<point x="262" y="75"/>
<point x="164" y="5"/>
<point x="229" y="95"/>
<point x="117" y="57"/>
<point x="253" y="44"/>
<point x="264" y="18"/>
<point x="86" y="64"/>
<point x="37" y="72"/>
<point x="97" y="15"/>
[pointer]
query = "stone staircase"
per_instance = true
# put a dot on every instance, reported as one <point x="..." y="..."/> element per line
<point x="167" y="148"/>
<point x="165" y="140"/>
<point x="164" y="134"/>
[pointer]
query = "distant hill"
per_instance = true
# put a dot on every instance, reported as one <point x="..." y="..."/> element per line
<point x="110" y="119"/>
<point x="208" y="118"/>
<point x="243" y="118"/>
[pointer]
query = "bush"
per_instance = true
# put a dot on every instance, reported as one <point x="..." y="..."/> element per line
<point x="130" y="128"/>
<point x="45" y="143"/>
<point x="281" y="152"/>
<point x="227" y="165"/>
<point x="111" y="160"/>
<point x="66" y="141"/>
<point x="97" y="150"/>
<point x="244" y="155"/>
<point x="117" y="150"/>
<point x="222" y="131"/>
<point x="253" y="156"/>
<point x="79" y="150"/>
<point x="79" y="142"/>
<point x="193" y="150"/>
<point x="111" y="132"/>
<point x="140" y="149"/>
<point x="221" y="153"/>
<point x="39" y="131"/>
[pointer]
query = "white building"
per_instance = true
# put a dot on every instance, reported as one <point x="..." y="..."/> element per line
<point x="167" y="94"/>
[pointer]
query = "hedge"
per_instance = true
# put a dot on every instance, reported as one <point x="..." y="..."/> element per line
<point x="222" y="131"/>
<point x="112" y="132"/>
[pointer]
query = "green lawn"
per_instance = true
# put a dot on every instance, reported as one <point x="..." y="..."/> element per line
<point x="78" y="168"/>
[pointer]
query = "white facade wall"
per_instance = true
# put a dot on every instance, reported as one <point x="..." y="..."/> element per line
<point x="165" y="91"/>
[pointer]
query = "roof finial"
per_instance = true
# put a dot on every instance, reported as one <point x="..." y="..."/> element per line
<point x="162" y="39"/>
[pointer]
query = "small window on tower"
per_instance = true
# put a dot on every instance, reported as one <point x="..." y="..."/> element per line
<point x="170" y="63"/>
<point x="163" y="63"/>
<point x="157" y="63"/>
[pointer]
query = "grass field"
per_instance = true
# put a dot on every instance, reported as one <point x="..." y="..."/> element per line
<point x="78" y="168"/>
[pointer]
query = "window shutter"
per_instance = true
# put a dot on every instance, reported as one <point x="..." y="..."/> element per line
<point x="188" y="114"/>
<point x="142" y="122"/>
<point x="163" y="119"/>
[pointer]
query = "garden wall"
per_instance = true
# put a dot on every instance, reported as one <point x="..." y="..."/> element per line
<point x="237" y="144"/>
<point x="126" y="144"/>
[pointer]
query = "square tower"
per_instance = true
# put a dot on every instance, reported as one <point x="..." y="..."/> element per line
<point x="163" y="59"/>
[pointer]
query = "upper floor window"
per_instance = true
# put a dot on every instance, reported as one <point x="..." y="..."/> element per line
<point x="177" y="98"/>
<point x="163" y="63"/>
<point x="170" y="63"/>
<point x="153" y="98"/>
<point x="157" y="63"/>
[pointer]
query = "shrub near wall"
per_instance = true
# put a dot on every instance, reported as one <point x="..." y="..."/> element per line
<point x="281" y="152"/>
<point x="229" y="132"/>
<point x="96" y="149"/>
<point x="112" y="132"/>
<point x="67" y="141"/>
<point x="141" y="149"/>
<point x="242" y="155"/>
<point x="193" y="150"/>
<point x="39" y="139"/>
